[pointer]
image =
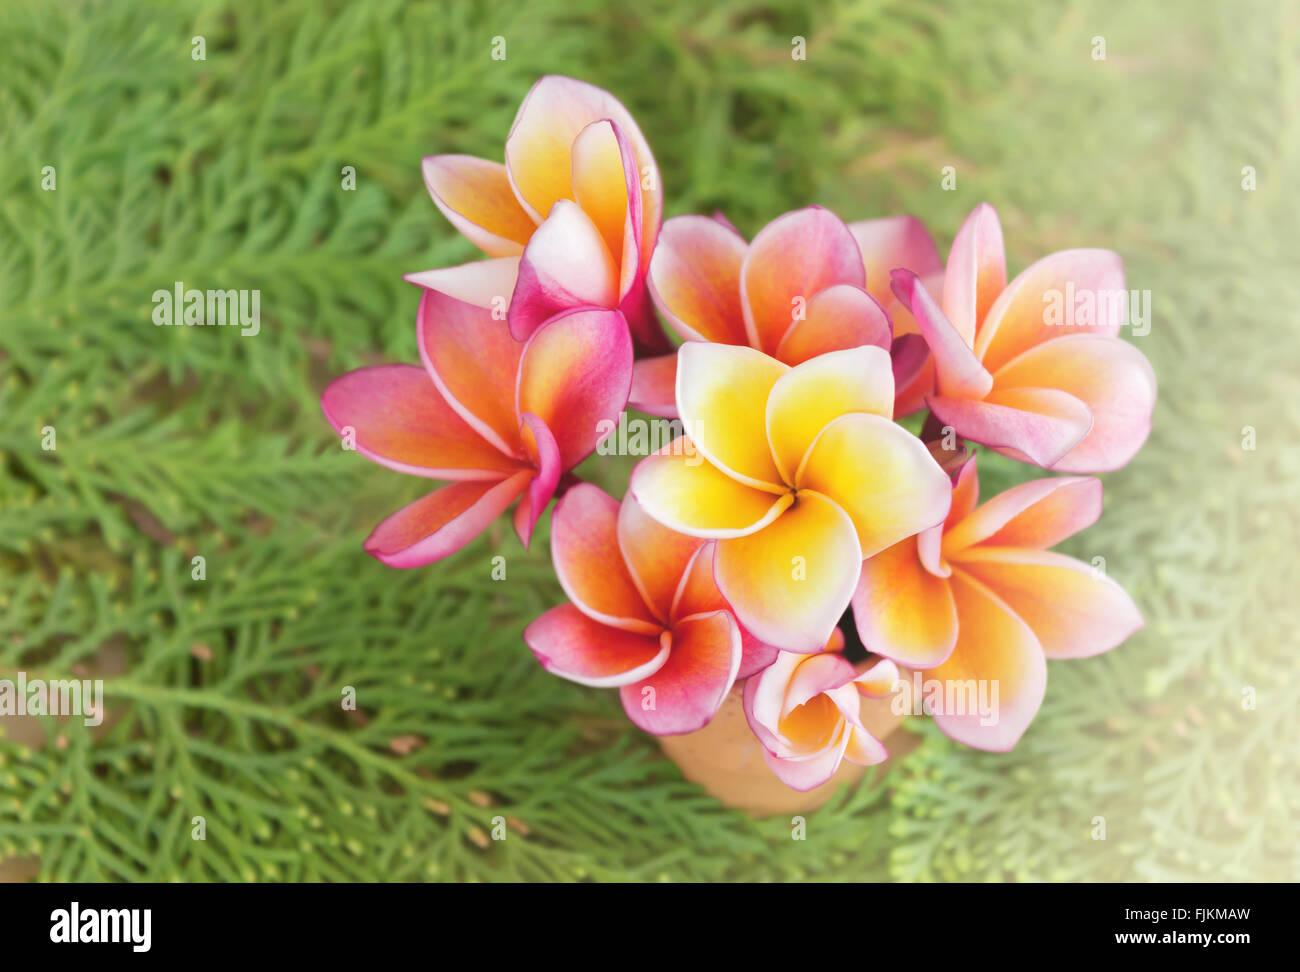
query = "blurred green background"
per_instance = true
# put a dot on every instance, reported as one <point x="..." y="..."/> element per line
<point x="223" y="694"/>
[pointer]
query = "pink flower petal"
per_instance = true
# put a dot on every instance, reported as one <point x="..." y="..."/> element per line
<point x="909" y="354"/>
<point x="911" y="394"/>
<point x="879" y="681"/>
<point x="573" y="646"/>
<point x="565" y="265"/>
<point x="1039" y="514"/>
<point x="958" y="373"/>
<point x="838" y="318"/>
<point x="864" y="748"/>
<point x="1018" y="319"/>
<point x="995" y="649"/>
<point x="965" y="492"/>
<point x="892" y="243"/>
<point x="401" y="421"/>
<point x="474" y="362"/>
<point x="976" y="271"/>
<point x="540" y="444"/>
<point x="929" y="551"/>
<point x="606" y="184"/>
<point x="647" y="333"/>
<point x="575" y="374"/>
<point x="442" y="522"/>
<point x="1040" y="425"/>
<point x="589" y="561"/>
<point x="657" y="558"/>
<point x="791" y="259"/>
<point x="720" y="218"/>
<point x="904" y="611"/>
<point x="686" y="693"/>
<point x="1111" y="377"/>
<point x="475" y="195"/>
<point x="483" y="283"/>
<point x="847" y="700"/>
<point x="819" y="673"/>
<point x="695" y="280"/>
<point x="698" y="594"/>
<point x="755" y="655"/>
<point x="654" y="386"/>
<point x="808" y="774"/>
<point x="1074" y="611"/>
<point x="764" y="699"/>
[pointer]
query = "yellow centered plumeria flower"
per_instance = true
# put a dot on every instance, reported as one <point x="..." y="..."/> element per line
<point x="804" y="474"/>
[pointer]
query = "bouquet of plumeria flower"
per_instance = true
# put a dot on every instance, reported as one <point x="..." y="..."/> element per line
<point x="792" y="496"/>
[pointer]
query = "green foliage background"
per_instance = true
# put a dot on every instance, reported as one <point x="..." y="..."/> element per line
<point x="176" y="442"/>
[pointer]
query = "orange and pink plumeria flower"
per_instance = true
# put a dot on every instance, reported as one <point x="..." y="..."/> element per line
<point x="980" y="597"/>
<point x="805" y="710"/>
<point x="645" y="615"/>
<point x="793" y="496"/>
<point x="569" y="220"/>
<point x="1068" y="395"/>
<point x="502" y="419"/>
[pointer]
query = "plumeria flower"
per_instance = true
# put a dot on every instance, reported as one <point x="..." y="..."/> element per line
<point x="645" y="615"/>
<point x="503" y="420"/>
<point x="798" y="473"/>
<point x="570" y="219"/>
<point x="1066" y="396"/>
<point x="981" y="597"/>
<point x="805" y="710"/>
<point x="797" y="291"/>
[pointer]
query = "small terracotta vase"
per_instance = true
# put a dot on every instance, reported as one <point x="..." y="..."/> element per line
<point x="727" y="760"/>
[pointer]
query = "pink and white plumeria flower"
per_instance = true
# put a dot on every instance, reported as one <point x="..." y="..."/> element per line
<point x="646" y="616"/>
<point x="502" y="419"/>
<point x="805" y="711"/>
<point x="570" y="219"/>
<point x="1066" y="396"/>
<point x="981" y="597"/>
